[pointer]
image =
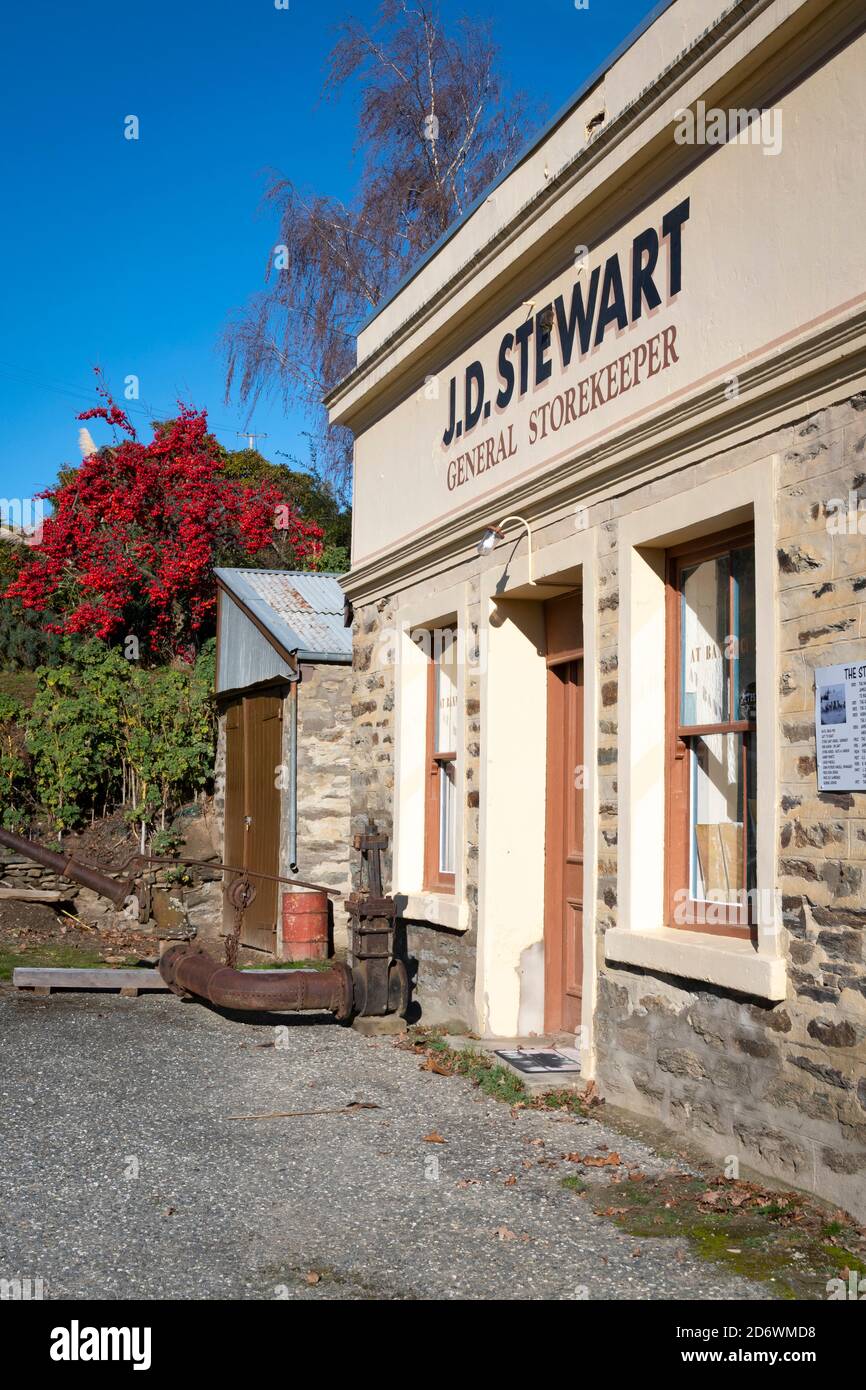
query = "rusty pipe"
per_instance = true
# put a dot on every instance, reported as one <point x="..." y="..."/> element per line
<point x="116" y="890"/>
<point x="190" y="970"/>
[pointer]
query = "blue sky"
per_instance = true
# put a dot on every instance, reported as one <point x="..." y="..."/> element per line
<point x="133" y="254"/>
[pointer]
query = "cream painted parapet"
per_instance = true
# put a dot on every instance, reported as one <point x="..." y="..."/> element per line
<point x="658" y="40"/>
<point x="558" y="193"/>
<point x="663" y="294"/>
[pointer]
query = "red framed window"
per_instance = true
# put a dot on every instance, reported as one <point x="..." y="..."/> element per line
<point x="711" y="726"/>
<point x="440" y="820"/>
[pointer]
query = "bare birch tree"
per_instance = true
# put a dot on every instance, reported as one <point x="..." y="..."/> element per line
<point x="435" y="127"/>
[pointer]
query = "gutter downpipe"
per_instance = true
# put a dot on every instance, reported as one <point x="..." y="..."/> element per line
<point x="293" y="771"/>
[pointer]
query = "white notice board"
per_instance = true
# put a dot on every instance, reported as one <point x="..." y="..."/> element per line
<point x="840" y="727"/>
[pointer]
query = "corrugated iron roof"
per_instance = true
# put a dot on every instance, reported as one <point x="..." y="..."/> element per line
<point x="303" y="612"/>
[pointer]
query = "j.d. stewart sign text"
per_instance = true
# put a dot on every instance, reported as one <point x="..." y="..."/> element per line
<point x="614" y="299"/>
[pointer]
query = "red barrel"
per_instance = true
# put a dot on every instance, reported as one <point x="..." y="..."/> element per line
<point x="305" y="926"/>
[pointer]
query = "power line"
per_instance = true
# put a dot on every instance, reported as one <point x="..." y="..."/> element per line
<point x="79" y="393"/>
<point x="250" y="437"/>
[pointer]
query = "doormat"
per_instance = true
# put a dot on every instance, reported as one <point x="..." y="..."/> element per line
<point x="539" y="1059"/>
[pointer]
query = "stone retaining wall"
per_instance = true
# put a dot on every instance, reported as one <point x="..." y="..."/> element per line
<point x="18" y="872"/>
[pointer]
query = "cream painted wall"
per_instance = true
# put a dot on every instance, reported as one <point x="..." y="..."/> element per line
<point x="509" y="989"/>
<point x="511" y="851"/>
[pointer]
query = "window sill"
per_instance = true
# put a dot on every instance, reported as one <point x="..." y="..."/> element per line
<point x="439" y="909"/>
<point x="729" y="962"/>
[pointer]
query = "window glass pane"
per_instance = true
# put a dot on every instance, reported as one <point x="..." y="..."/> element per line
<point x="445" y="656"/>
<point x="743" y="564"/>
<point x="717" y="818"/>
<point x="705" y="624"/>
<point x="447" y="817"/>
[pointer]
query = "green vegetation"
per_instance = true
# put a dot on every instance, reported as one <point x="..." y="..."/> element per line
<point x="20" y="685"/>
<point x="483" y="1070"/>
<point x="781" y="1240"/>
<point x="63" y="957"/>
<point x="24" y="644"/>
<point x="305" y="490"/>
<point x="13" y="763"/>
<point x="573" y="1184"/>
<point x="103" y="733"/>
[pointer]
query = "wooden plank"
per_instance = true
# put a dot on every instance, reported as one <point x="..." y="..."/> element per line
<point x="32" y="895"/>
<point x="48" y="977"/>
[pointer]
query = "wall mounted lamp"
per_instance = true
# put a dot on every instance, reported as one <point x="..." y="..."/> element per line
<point x="494" y="533"/>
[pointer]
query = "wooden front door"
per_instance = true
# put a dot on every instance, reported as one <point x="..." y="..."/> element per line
<point x="563" y="865"/>
<point x="252" y="810"/>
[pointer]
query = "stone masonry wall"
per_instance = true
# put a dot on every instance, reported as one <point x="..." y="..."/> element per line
<point x="324" y="732"/>
<point x="782" y="1087"/>
<point x="21" y="873"/>
<point x="442" y="961"/>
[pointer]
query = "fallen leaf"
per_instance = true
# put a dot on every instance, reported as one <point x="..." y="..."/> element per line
<point x="611" y="1160"/>
<point x="433" y="1138"/>
<point x="439" y="1068"/>
<point x="636" y="1177"/>
<point x="510" y="1182"/>
<point x="313" y="1277"/>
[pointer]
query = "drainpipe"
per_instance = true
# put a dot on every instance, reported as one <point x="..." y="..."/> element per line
<point x="293" y="771"/>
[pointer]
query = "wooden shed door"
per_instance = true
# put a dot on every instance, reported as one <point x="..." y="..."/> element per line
<point x="563" y="866"/>
<point x="252" y="812"/>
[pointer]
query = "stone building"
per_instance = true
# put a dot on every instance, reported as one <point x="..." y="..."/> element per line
<point x="609" y="555"/>
<point x="283" y="685"/>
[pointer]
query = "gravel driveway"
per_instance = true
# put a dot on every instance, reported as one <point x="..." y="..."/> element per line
<point x="125" y="1177"/>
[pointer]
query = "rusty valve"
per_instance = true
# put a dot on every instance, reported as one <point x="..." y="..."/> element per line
<point x="381" y="980"/>
<point x="242" y="894"/>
